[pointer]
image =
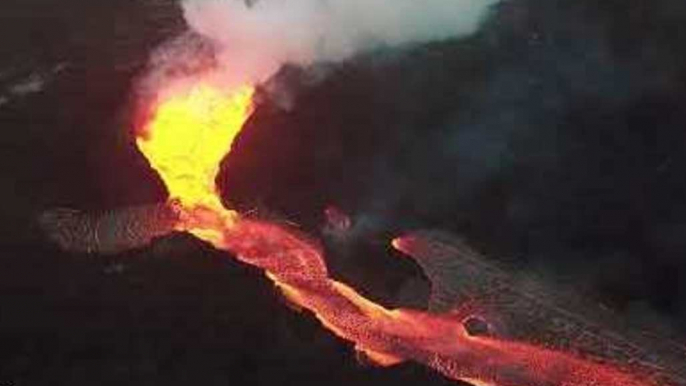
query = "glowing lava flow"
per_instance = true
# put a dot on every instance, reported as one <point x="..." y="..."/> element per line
<point x="185" y="141"/>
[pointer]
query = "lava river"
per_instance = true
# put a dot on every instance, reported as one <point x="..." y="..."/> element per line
<point x="184" y="141"/>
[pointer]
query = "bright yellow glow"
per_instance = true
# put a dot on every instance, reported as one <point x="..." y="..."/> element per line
<point x="381" y="359"/>
<point x="187" y="138"/>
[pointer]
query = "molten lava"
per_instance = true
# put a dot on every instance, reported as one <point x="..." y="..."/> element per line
<point x="186" y="139"/>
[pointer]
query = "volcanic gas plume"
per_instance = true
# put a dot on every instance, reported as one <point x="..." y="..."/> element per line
<point x="252" y="39"/>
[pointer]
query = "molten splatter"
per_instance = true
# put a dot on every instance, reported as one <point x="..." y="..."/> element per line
<point x="188" y="136"/>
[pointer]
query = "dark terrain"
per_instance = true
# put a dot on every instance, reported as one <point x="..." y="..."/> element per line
<point x="555" y="137"/>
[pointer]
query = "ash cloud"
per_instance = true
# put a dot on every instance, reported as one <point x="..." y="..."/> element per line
<point x="255" y="38"/>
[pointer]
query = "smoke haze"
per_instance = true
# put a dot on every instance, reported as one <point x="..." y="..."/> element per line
<point x="256" y="38"/>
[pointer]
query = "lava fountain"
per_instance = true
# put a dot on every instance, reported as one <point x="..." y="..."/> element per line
<point x="189" y="133"/>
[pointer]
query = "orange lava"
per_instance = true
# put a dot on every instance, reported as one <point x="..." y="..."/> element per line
<point x="389" y="336"/>
<point x="186" y="139"/>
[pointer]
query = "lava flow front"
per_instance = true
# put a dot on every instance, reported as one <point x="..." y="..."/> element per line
<point x="186" y="139"/>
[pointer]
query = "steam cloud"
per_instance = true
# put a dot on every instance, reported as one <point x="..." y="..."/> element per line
<point x="256" y="37"/>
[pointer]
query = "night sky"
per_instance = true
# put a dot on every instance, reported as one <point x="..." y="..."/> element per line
<point x="554" y="137"/>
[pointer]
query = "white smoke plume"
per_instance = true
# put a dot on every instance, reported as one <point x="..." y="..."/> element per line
<point x="256" y="37"/>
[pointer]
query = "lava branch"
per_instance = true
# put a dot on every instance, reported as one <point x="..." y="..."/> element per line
<point x="389" y="336"/>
